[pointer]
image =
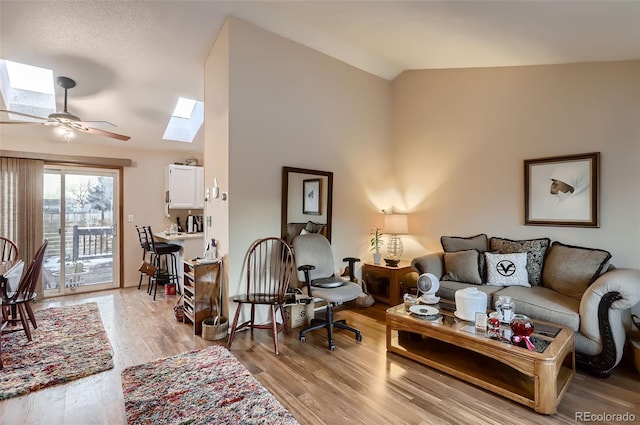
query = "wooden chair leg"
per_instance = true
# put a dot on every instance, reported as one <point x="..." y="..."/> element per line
<point x="2" y="325"/>
<point x="32" y="316"/>
<point x="253" y="317"/>
<point x="23" y="319"/>
<point x="233" y="327"/>
<point x="274" y="328"/>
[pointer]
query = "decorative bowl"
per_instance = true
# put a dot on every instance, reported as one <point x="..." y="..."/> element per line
<point x="521" y="325"/>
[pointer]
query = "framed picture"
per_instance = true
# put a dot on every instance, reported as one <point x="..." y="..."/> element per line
<point x="562" y="190"/>
<point x="311" y="196"/>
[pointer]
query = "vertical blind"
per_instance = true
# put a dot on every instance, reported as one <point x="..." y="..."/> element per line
<point x="21" y="189"/>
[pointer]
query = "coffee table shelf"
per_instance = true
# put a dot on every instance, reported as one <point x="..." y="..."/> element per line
<point x="536" y="380"/>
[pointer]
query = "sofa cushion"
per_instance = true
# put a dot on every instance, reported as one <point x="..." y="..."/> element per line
<point x="570" y="270"/>
<point x="448" y="289"/>
<point x="462" y="266"/>
<point x="544" y="304"/>
<point x="535" y="249"/>
<point x="459" y="243"/>
<point x="312" y="227"/>
<point x="507" y="269"/>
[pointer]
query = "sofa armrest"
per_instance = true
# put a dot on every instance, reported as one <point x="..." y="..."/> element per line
<point x="626" y="282"/>
<point x="604" y="317"/>
<point x="430" y="263"/>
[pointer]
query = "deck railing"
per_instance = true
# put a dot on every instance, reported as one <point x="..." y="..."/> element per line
<point x="92" y="242"/>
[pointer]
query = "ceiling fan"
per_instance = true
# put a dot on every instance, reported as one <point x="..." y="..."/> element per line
<point x="65" y="120"/>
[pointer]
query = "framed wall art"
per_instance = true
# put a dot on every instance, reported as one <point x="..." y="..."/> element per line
<point x="311" y="196"/>
<point x="562" y="190"/>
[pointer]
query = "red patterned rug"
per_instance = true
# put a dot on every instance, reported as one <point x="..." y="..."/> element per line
<point x="208" y="386"/>
<point x="69" y="343"/>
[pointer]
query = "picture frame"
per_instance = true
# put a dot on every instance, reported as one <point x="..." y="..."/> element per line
<point x="562" y="190"/>
<point x="311" y="195"/>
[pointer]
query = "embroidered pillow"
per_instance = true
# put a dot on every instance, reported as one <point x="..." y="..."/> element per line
<point x="462" y="266"/>
<point x="536" y="250"/>
<point x="507" y="269"/>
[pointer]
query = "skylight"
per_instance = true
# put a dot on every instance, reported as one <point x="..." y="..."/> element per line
<point x="184" y="108"/>
<point x="27" y="89"/>
<point x="186" y="120"/>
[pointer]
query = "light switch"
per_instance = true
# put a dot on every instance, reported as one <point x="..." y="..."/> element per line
<point x="130" y="218"/>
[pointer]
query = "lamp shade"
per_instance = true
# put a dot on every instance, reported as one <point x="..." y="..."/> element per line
<point x="396" y="224"/>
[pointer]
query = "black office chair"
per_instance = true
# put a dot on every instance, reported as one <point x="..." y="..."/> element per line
<point x="314" y="260"/>
<point x="160" y="254"/>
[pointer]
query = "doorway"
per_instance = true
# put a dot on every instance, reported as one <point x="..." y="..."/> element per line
<point x="81" y="222"/>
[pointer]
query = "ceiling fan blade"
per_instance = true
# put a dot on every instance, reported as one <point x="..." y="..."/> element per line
<point x="23" y="114"/>
<point x="87" y="123"/>
<point x="99" y="132"/>
<point x="22" y="122"/>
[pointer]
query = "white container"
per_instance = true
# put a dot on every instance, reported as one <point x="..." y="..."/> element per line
<point x="470" y="301"/>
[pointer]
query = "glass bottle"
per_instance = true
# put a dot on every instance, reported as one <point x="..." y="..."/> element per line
<point x="505" y="308"/>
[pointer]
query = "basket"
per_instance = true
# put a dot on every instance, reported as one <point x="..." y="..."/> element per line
<point x="215" y="332"/>
<point x="366" y="299"/>
<point x="178" y="310"/>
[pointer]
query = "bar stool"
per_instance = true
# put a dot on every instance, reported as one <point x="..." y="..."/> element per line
<point x="159" y="254"/>
<point x="142" y="237"/>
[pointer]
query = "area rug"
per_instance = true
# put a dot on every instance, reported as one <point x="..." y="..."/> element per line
<point x="69" y="343"/>
<point x="208" y="386"/>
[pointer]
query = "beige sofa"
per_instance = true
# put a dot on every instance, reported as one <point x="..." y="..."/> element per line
<point x="571" y="286"/>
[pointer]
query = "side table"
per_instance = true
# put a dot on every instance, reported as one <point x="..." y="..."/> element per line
<point x="393" y="274"/>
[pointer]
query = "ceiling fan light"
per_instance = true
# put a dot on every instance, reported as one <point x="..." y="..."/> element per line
<point x="65" y="132"/>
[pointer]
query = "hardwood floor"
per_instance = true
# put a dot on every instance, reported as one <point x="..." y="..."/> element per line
<point x="358" y="383"/>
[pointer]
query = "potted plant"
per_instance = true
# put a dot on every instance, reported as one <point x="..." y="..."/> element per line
<point x="376" y="242"/>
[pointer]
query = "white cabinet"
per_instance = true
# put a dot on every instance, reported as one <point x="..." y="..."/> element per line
<point x="184" y="185"/>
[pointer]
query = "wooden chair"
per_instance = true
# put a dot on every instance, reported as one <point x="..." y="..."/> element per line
<point x="8" y="250"/>
<point x="268" y="268"/>
<point x="11" y="274"/>
<point x="18" y="302"/>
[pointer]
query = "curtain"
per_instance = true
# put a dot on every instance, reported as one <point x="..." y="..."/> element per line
<point x="21" y="202"/>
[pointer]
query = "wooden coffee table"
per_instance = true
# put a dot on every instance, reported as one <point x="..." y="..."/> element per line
<point x="537" y="380"/>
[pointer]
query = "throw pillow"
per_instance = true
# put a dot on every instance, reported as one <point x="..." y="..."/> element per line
<point x="459" y="243"/>
<point x="570" y="270"/>
<point x="536" y="250"/>
<point x="507" y="269"/>
<point x="462" y="266"/>
<point x="312" y="227"/>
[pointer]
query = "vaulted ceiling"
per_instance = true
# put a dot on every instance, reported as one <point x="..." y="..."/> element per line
<point x="132" y="60"/>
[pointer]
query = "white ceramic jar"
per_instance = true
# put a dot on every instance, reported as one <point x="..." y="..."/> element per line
<point x="470" y="301"/>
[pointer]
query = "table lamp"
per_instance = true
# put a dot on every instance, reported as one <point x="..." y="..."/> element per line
<point x="394" y="225"/>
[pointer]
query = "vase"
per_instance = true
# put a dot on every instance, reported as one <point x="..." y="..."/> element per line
<point x="376" y="259"/>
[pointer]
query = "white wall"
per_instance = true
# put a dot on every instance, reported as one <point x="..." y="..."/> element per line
<point x="216" y="150"/>
<point x="292" y="106"/>
<point x="461" y="136"/>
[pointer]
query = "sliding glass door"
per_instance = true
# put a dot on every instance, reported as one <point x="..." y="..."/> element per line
<point x="81" y="223"/>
